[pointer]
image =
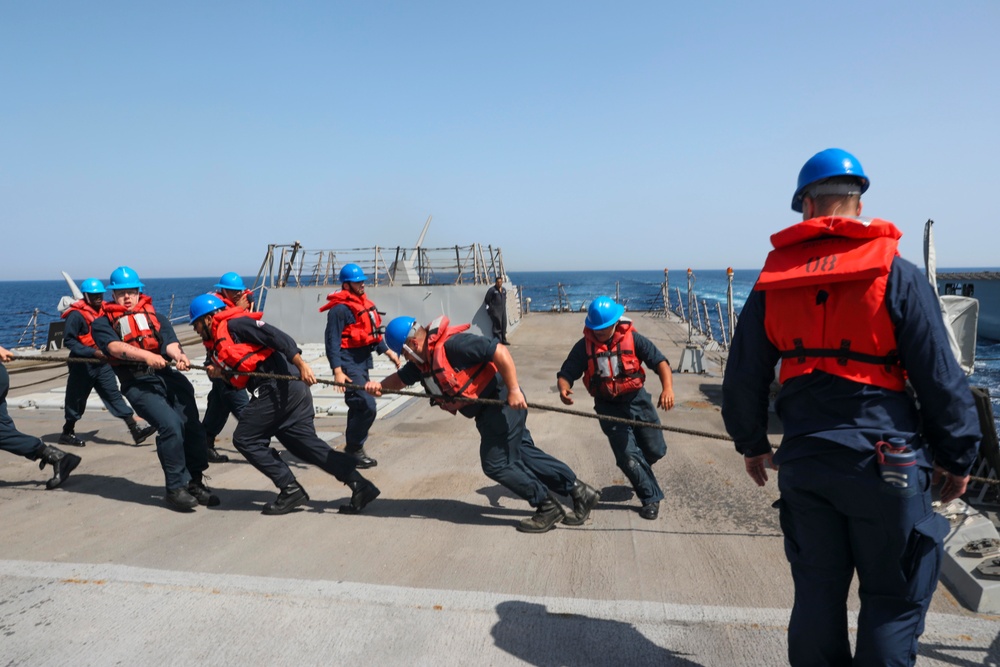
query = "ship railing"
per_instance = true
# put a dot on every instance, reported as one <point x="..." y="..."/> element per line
<point x="291" y="265"/>
<point x="655" y="302"/>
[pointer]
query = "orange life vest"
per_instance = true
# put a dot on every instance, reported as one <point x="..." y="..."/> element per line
<point x="366" y="330"/>
<point x="230" y="356"/>
<point x="825" y="283"/>
<point x="441" y="379"/>
<point x="139" y="327"/>
<point x="89" y="315"/>
<point x="613" y="368"/>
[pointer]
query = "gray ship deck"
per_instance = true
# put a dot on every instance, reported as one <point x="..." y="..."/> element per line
<point x="433" y="573"/>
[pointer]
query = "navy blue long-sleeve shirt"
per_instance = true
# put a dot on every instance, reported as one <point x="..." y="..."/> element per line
<point x="576" y="364"/>
<point x="850" y="414"/>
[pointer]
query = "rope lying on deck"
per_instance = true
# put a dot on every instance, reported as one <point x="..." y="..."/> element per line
<point x="481" y="401"/>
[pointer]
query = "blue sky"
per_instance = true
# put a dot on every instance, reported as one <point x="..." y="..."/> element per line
<point x="180" y="138"/>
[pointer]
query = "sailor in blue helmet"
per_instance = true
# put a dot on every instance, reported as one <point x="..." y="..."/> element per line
<point x="851" y="322"/>
<point x="225" y="399"/>
<point x="451" y="363"/>
<point x="241" y="342"/>
<point x="353" y="332"/>
<point x="610" y="357"/>
<point x="86" y="377"/>
<point x="140" y="346"/>
<point x="28" y="446"/>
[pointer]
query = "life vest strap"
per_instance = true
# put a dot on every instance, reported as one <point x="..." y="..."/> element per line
<point x="843" y="354"/>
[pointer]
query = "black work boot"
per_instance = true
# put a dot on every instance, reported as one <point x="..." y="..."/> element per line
<point x="584" y="497"/>
<point x="180" y="500"/>
<point x="545" y="518"/>
<point x="203" y="494"/>
<point x="62" y="464"/>
<point x="650" y="511"/>
<point x="139" y="435"/>
<point x="214" y="456"/>
<point x="363" y="493"/>
<point x="290" y="497"/>
<point x="364" y="461"/>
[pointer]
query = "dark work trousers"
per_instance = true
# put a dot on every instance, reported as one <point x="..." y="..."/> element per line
<point x="838" y="516"/>
<point x="498" y="318"/>
<point x="165" y="399"/>
<point x="510" y="458"/>
<point x="361" y="408"/>
<point x="636" y="448"/>
<point x="284" y="410"/>
<point x="86" y="377"/>
<point x="224" y="399"/>
<point x="12" y="440"/>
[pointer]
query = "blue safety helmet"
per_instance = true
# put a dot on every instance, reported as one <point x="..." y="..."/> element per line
<point x="397" y="331"/>
<point x="203" y="304"/>
<point x="602" y="313"/>
<point x="230" y="280"/>
<point x="92" y="286"/>
<point x="352" y="273"/>
<point x="827" y="164"/>
<point x="124" y="278"/>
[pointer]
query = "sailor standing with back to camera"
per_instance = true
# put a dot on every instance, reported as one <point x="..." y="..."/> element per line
<point x="851" y="321"/>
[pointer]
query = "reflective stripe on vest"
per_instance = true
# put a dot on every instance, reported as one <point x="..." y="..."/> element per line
<point x="139" y="327"/>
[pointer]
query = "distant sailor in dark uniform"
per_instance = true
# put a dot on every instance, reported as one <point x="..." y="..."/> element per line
<point x="496" y="308"/>
<point x="28" y="446"/>
<point x="353" y="332"/>
<point x="452" y="364"/>
<point x="240" y="341"/>
<point x="85" y="377"/>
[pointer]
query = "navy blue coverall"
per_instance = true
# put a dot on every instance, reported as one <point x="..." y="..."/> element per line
<point x="84" y="377"/>
<point x="636" y="448"/>
<point x="165" y="399"/>
<point x="836" y="513"/>
<point x="355" y="363"/>
<point x="281" y="409"/>
<point x="12" y="440"/>
<point x="507" y="452"/>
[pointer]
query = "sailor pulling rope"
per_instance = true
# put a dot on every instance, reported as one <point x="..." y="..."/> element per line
<point x="482" y="401"/>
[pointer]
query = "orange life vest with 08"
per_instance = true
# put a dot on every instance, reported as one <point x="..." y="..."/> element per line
<point x="825" y="309"/>
<point x="441" y="379"/>
<point x="366" y="330"/>
<point x="613" y="368"/>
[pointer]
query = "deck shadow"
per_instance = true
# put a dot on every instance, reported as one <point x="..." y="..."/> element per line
<point x="539" y="637"/>
<point x="440" y="509"/>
